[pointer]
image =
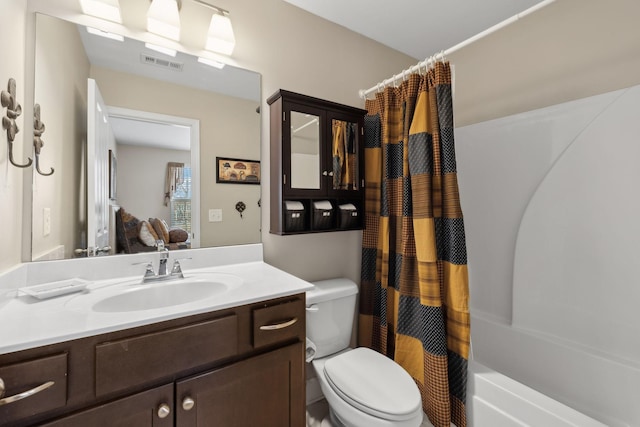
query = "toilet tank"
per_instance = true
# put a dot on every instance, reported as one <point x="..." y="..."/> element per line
<point x="330" y="311"/>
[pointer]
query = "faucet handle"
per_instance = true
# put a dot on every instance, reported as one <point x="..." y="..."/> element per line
<point x="149" y="271"/>
<point x="176" y="270"/>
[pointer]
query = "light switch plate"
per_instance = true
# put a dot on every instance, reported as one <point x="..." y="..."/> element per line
<point x="215" y="215"/>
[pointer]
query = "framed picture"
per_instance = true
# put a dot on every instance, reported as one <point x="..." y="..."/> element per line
<point x="237" y="171"/>
<point x="113" y="169"/>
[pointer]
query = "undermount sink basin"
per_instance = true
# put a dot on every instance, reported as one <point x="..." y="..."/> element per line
<point x="156" y="295"/>
<point x="130" y="297"/>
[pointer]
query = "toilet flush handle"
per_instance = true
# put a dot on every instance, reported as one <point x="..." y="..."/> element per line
<point x="313" y="308"/>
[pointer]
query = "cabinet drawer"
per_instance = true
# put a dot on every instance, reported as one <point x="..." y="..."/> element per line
<point x="135" y="361"/>
<point x="24" y="376"/>
<point x="278" y="323"/>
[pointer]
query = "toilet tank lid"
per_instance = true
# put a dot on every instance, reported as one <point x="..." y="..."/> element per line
<point x="325" y="290"/>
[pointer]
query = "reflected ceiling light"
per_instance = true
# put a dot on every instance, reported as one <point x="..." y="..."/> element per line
<point x="212" y="63"/>
<point x="105" y="34"/>
<point x="220" y="37"/>
<point x="161" y="49"/>
<point x="163" y="18"/>
<point x="105" y="9"/>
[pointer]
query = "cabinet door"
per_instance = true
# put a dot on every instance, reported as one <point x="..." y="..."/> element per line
<point x="345" y="155"/>
<point x="265" y="390"/>
<point x="152" y="408"/>
<point x="303" y="151"/>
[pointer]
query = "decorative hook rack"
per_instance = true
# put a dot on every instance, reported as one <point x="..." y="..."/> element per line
<point x="38" y="130"/>
<point x="8" y="100"/>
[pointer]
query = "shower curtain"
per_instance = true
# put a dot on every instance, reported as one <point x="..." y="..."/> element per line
<point x="414" y="287"/>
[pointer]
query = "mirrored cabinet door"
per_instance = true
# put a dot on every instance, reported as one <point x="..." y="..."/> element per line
<point x="345" y="162"/>
<point x="306" y="155"/>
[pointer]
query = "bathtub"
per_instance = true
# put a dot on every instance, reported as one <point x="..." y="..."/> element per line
<point x="495" y="400"/>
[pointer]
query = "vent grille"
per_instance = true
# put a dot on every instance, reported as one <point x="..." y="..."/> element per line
<point x="159" y="62"/>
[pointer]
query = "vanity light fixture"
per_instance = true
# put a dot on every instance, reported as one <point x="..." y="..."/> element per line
<point x="105" y="9"/>
<point x="211" y="62"/>
<point x="161" y="49"/>
<point x="105" y="34"/>
<point x="220" y="37"/>
<point x="163" y="18"/>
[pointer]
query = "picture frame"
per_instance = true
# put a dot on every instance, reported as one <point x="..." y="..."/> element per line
<point x="113" y="170"/>
<point x="237" y="171"/>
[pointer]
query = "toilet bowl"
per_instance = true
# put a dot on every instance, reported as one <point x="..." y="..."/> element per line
<point x="362" y="387"/>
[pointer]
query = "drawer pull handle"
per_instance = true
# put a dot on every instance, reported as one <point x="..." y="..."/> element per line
<point x="277" y="326"/>
<point x="163" y="411"/>
<point x="188" y="404"/>
<point x="24" y="394"/>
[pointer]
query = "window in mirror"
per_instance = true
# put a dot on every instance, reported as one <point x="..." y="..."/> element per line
<point x="181" y="203"/>
<point x="344" y="155"/>
<point x="305" y="150"/>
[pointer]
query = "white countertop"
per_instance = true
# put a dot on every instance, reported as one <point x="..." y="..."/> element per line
<point x="27" y="322"/>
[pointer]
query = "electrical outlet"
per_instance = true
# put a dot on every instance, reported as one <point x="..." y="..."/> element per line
<point x="46" y="221"/>
<point x="215" y="215"/>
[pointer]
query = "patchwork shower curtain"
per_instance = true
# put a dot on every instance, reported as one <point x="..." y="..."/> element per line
<point x="414" y="288"/>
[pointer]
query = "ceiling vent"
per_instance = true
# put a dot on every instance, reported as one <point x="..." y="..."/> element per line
<point x="152" y="60"/>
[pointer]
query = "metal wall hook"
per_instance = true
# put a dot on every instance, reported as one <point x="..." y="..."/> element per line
<point x="8" y="100"/>
<point x="38" y="130"/>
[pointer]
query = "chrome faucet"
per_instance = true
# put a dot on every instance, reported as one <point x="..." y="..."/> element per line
<point x="162" y="267"/>
<point x="163" y="273"/>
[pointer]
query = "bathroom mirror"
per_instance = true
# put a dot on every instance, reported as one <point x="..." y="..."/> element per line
<point x="224" y="103"/>
<point x="305" y="150"/>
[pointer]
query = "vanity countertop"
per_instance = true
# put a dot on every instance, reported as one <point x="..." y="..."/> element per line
<point x="28" y="322"/>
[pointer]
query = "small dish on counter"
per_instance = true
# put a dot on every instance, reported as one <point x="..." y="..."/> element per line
<point x="54" y="289"/>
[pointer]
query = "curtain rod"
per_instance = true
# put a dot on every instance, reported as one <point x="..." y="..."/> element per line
<point x="442" y="54"/>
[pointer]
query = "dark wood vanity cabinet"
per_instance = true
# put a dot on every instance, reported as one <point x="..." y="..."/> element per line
<point x="236" y="367"/>
<point x="317" y="164"/>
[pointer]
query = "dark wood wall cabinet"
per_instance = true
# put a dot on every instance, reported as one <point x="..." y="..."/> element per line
<point x="317" y="164"/>
<point x="234" y="368"/>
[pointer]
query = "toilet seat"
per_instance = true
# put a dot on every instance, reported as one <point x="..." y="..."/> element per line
<point x="374" y="384"/>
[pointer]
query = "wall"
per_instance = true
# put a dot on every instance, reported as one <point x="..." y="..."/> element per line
<point x="12" y="32"/>
<point x="141" y="177"/>
<point x="61" y="91"/>
<point x="568" y="50"/>
<point x="228" y="127"/>
<point x="297" y="51"/>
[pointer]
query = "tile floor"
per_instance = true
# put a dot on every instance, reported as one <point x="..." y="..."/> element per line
<point x="318" y="410"/>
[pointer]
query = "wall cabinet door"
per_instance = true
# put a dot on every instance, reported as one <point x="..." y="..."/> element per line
<point x="261" y="391"/>
<point x="152" y="408"/>
<point x="304" y="157"/>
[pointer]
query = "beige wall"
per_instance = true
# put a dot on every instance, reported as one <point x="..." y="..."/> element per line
<point x="568" y="50"/>
<point x="12" y="65"/>
<point x="61" y="90"/>
<point x="297" y="51"/>
<point x="229" y="127"/>
<point x="140" y="179"/>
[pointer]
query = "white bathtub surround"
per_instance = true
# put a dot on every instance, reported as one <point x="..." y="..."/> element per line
<point x="552" y="232"/>
<point x="67" y="317"/>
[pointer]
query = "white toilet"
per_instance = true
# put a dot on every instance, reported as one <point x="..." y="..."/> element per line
<point x="362" y="387"/>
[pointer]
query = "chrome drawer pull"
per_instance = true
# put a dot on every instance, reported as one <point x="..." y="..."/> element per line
<point x="279" y="325"/>
<point x="164" y="410"/>
<point x="24" y="394"/>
